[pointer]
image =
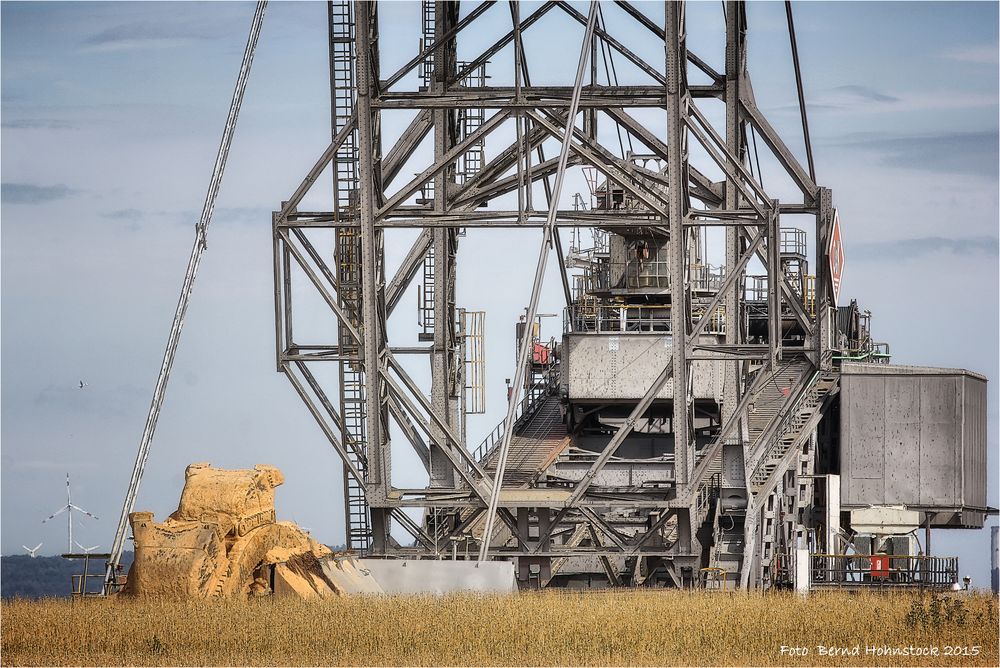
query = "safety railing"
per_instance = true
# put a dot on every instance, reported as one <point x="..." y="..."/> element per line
<point x="793" y="242"/>
<point x="91" y="581"/>
<point x="790" y="425"/>
<point x="531" y="400"/>
<point x="630" y="275"/>
<point x="716" y="319"/>
<point x="882" y="570"/>
<point x="755" y="290"/>
<point x="589" y="316"/>
<point x="89" y="584"/>
<point x="602" y="276"/>
<point x="622" y="318"/>
<point x="706" y="277"/>
<point x="707" y="493"/>
<point x="714" y="578"/>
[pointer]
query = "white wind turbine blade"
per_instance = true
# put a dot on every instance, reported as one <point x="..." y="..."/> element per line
<point x="88" y="514"/>
<point x="37" y="547"/>
<point x="58" y="512"/>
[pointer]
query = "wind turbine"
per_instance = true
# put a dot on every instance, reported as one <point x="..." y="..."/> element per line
<point x="68" y="509"/>
<point x="32" y="551"/>
<point x="87" y="550"/>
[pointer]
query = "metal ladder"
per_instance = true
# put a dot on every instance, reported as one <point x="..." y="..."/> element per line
<point x="470" y="120"/>
<point x="473" y="329"/>
<point x="425" y="299"/>
<point x="427" y="66"/>
<point x="348" y="256"/>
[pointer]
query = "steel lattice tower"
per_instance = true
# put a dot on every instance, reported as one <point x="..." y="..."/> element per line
<point x="741" y="441"/>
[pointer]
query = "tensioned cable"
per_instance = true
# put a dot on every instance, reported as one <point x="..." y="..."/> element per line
<point x="798" y="87"/>
<point x="611" y="72"/>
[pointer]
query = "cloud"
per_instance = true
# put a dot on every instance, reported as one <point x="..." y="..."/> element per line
<point x="855" y="99"/>
<point x="26" y="193"/>
<point x="37" y="124"/>
<point x="903" y="249"/>
<point x="130" y="218"/>
<point x="982" y="54"/>
<point x="123" y="214"/>
<point x="147" y="35"/>
<point x="862" y="93"/>
<point x="948" y="152"/>
<point x="849" y="97"/>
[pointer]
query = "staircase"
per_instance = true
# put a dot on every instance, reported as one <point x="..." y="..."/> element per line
<point x="763" y="409"/>
<point x="539" y="434"/>
<point x="773" y="396"/>
<point x="772" y="400"/>
<point x="532" y="445"/>
<point x="797" y="424"/>
<point x="770" y="459"/>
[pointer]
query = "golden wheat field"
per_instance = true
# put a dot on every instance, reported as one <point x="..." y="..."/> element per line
<point x="606" y="629"/>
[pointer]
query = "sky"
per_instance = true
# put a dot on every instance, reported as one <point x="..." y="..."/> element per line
<point x="111" y="117"/>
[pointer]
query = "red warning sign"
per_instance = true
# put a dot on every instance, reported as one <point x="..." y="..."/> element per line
<point x="836" y="255"/>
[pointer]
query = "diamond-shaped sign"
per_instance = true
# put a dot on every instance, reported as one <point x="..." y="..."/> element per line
<point x="836" y="255"/>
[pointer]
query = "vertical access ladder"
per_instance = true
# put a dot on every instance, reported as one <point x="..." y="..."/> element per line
<point x="348" y="260"/>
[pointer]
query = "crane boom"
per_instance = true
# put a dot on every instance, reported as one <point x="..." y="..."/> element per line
<point x="173" y="339"/>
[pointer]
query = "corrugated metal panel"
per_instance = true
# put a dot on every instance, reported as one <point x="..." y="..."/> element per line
<point x="974" y="430"/>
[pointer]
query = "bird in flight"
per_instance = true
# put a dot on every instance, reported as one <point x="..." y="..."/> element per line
<point x="32" y="551"/>
<point x="83" y="384"/>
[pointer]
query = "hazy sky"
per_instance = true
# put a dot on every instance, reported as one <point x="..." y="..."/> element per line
<point x="111" y="115"/>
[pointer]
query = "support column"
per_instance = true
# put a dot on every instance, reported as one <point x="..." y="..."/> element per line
<point x="678" y="198"/>
<point x="443" y="247"/>
<point x="732" y="389"/>
<point x="824" y="288"/>
<point x="379" y="472"/>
